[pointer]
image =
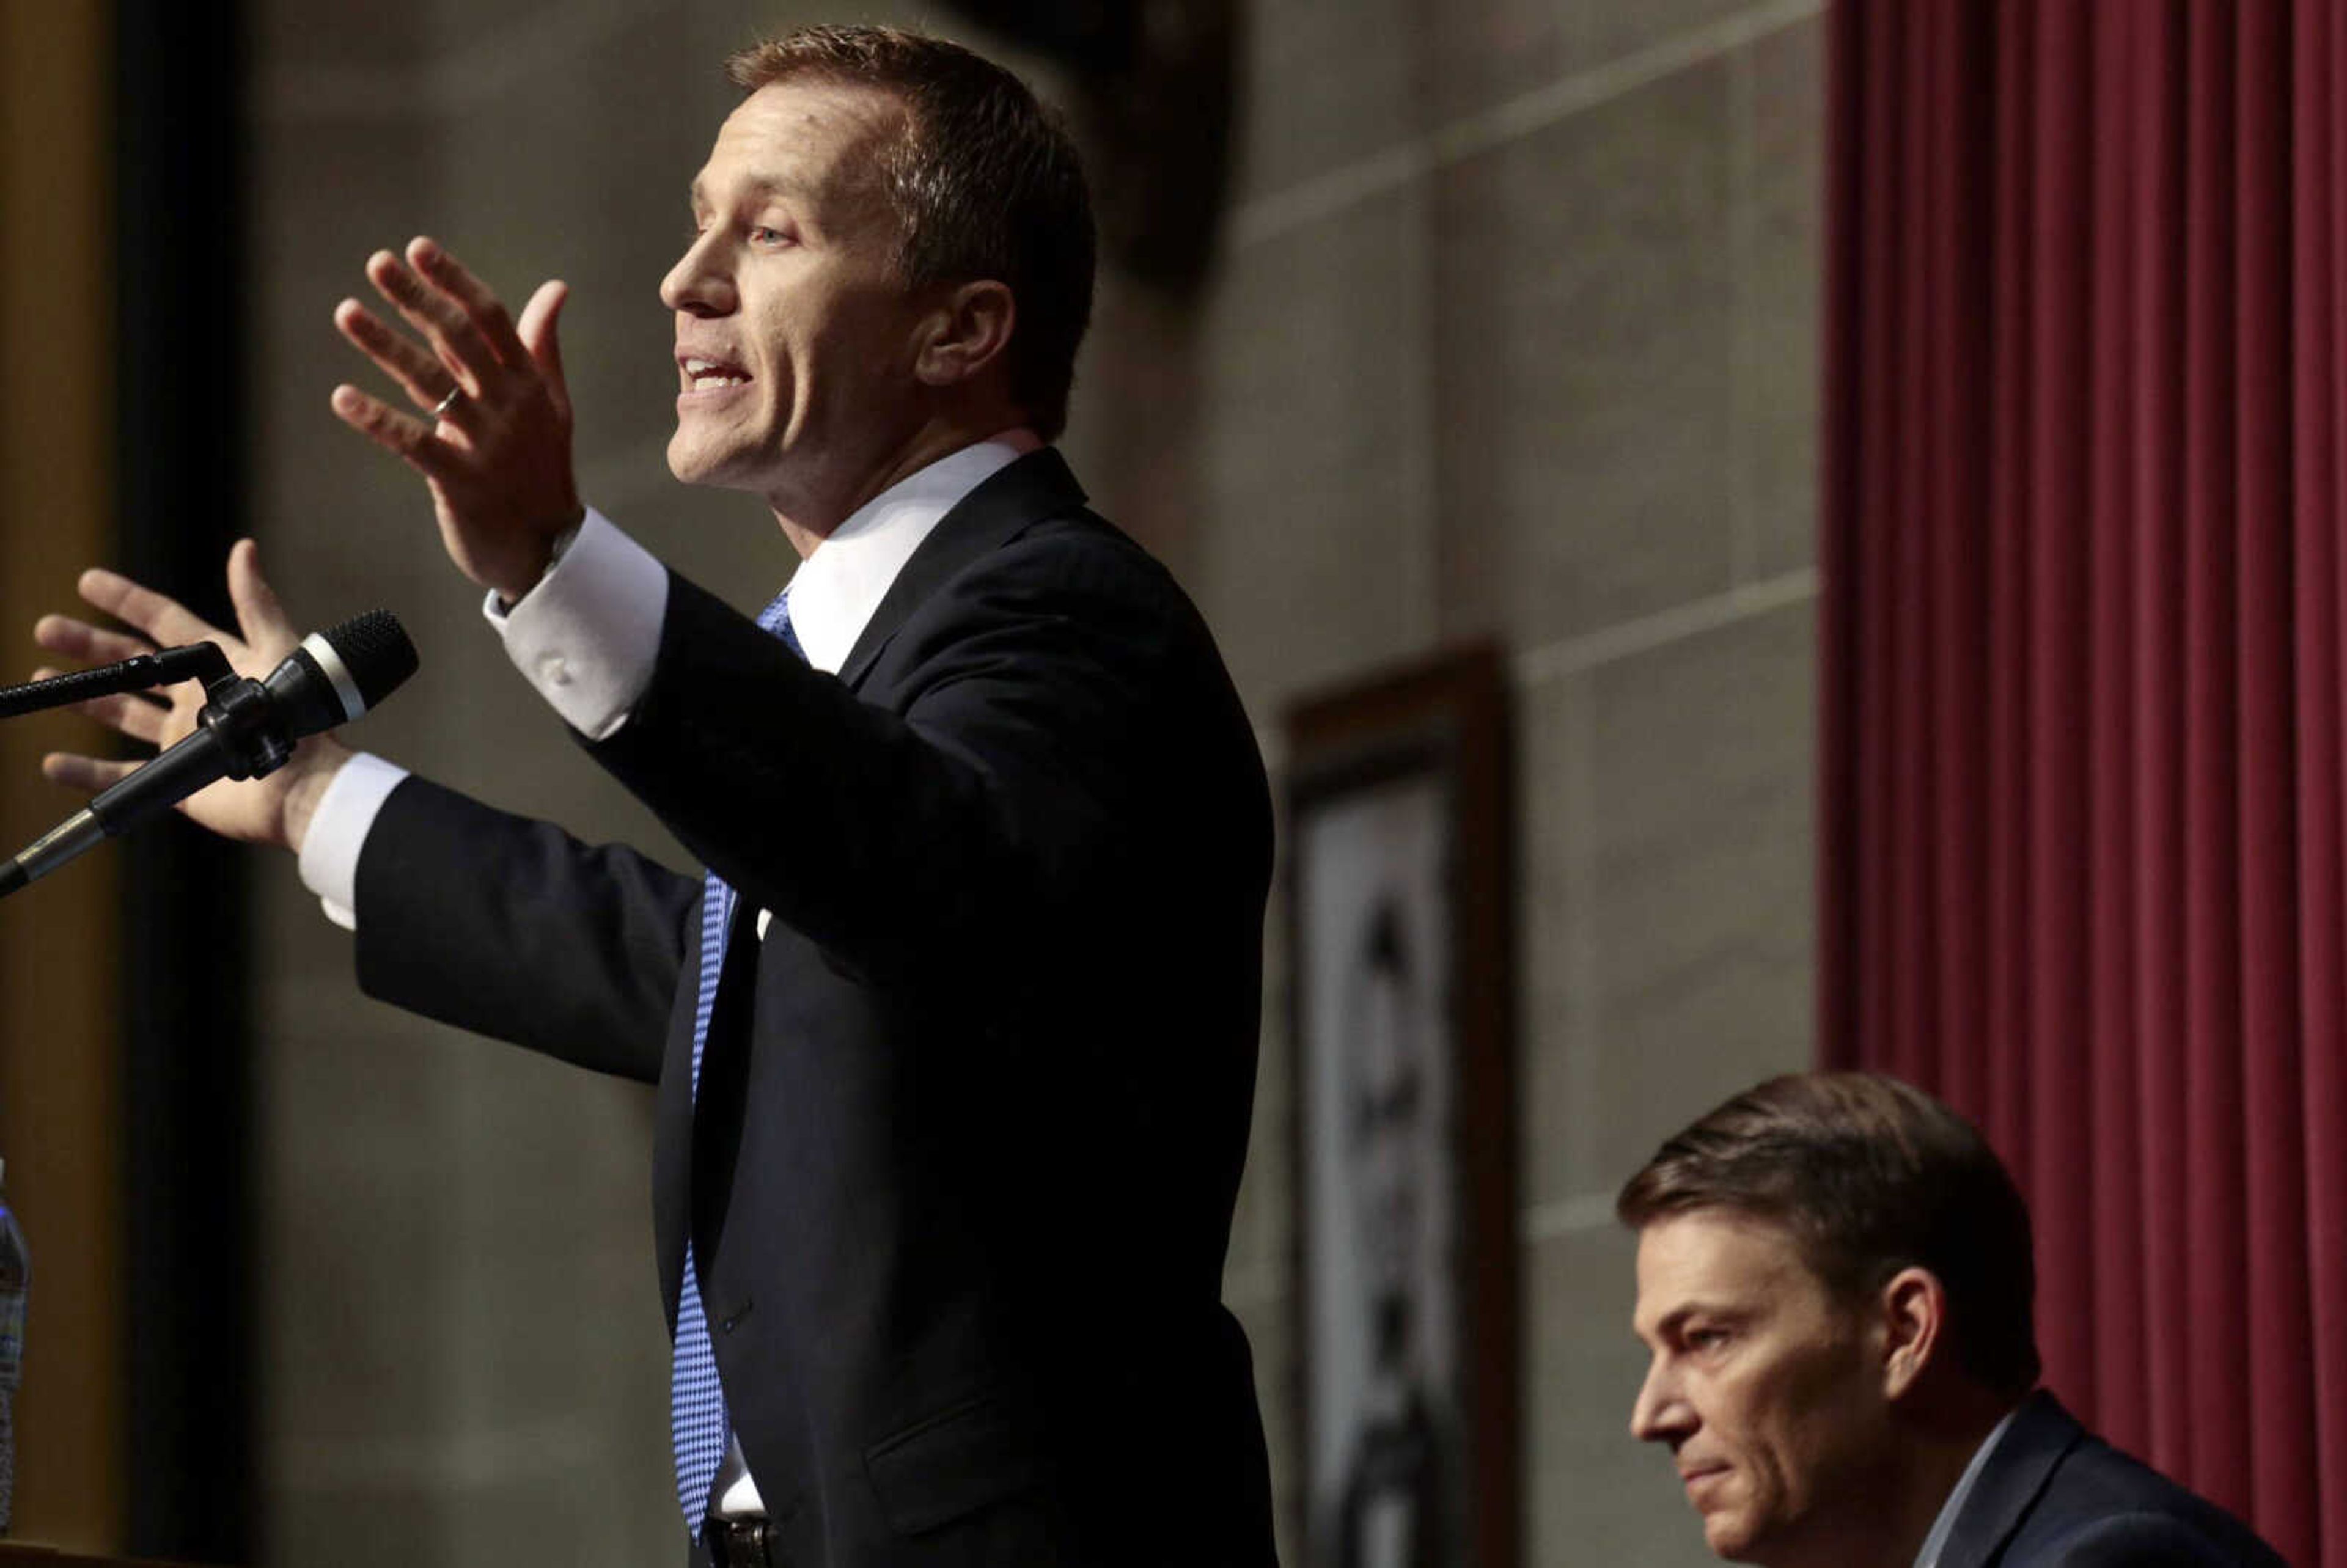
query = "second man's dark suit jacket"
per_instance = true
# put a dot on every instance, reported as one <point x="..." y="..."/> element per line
<point x="960" y="1176"/>
<point x="2053" y="1495"/>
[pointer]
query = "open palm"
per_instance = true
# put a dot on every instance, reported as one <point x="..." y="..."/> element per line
<point x="272" y="810"/>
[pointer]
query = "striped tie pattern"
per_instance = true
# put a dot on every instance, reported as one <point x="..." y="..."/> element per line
<point x="697" y="1421"/>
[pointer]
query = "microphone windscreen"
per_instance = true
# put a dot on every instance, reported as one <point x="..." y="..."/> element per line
<point x="374" y="649"/>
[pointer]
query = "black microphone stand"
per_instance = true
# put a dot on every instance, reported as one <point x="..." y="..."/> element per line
<point x="197" y="662"/>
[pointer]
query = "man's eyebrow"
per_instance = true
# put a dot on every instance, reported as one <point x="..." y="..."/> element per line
<point x="1661" y="1328"/>
<point x="1671" y="1322"/>
<point x="756" y="185"/>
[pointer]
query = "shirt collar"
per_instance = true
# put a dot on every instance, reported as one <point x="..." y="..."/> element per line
<point x="838" y="588"/>
<point x="1943" y="1527"/>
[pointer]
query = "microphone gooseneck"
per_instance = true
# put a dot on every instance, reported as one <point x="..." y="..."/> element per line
<point x="197" y="662"/>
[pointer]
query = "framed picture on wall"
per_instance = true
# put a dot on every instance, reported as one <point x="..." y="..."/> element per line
<point x="1400" y="981"/>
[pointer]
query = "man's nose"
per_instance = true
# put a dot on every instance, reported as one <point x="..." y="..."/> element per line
<point x="699" y="282"/>
<point x="1659" y="1413"/>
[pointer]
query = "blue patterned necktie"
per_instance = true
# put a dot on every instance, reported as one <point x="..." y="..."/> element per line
<point x="698" y="1425"/>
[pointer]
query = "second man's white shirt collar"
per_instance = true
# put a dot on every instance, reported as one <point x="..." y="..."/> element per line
<point x="840" y="586"/>
<point x="1944" y="1525"/>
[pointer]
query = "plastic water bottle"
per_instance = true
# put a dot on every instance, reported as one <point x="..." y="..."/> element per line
<point x="15" y="1273"/>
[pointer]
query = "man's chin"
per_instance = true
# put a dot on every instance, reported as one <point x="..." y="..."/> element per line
<point x="693" y="464"/>
<point x="1730" y="1534"/>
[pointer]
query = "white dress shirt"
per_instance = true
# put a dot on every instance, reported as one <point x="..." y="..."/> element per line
<point x="1937" y="1541"/>
<point x="588" y="635"/>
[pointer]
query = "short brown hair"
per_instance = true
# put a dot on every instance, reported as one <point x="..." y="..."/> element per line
<point x="1871" y="1175"/>
<point x="985" y="183"/>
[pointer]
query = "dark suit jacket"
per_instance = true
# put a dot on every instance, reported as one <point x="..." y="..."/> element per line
<point x="2053" y="1494"/>
<point x="960" y="1176"/>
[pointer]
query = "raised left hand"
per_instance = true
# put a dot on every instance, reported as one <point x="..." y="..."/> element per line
<point x="497" y="454"/>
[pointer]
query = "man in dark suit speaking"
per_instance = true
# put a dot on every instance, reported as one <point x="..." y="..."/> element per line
<point x="1835" y="1283"/>
<point x="956" y="1041"/>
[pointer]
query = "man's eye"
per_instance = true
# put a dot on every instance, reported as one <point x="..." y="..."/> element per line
<point x="765" y="235"/>
<point x="1701" y="1339"/>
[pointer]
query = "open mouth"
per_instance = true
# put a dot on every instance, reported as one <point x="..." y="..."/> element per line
<point x="711" y="374"/>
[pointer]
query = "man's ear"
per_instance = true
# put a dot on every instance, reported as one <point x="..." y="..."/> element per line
<point x="1911" y="1314"/>
<point x="967" y="332"/>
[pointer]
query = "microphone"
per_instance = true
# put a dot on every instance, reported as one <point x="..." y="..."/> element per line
<point x="246" y="729"/>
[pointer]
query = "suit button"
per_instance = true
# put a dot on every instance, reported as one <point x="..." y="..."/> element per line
<point x="554" y="669"/>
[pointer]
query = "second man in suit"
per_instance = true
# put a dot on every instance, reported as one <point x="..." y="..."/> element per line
<point x="1835" y="1288"/>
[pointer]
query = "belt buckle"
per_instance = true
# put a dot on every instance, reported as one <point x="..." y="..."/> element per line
<point x="740" y="1543"/>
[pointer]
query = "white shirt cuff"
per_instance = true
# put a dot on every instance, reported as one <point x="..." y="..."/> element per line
<point x="588" y="635"/>
<point x="338" y="830"/>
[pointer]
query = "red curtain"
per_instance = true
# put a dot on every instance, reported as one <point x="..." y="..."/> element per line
<point x="2082" y="819"/>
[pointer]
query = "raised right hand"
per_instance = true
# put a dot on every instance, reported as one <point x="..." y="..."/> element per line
<point x="495" y="445"/>
<point x="272" y="810"/>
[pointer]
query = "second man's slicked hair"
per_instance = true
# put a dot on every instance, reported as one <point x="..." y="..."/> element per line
<point x="1871" y="1175"/>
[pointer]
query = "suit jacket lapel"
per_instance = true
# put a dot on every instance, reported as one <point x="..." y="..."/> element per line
<point x="694" y="1182"/>
<point x="2011" y="1482"/>
<point x="1036" y="486"/>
